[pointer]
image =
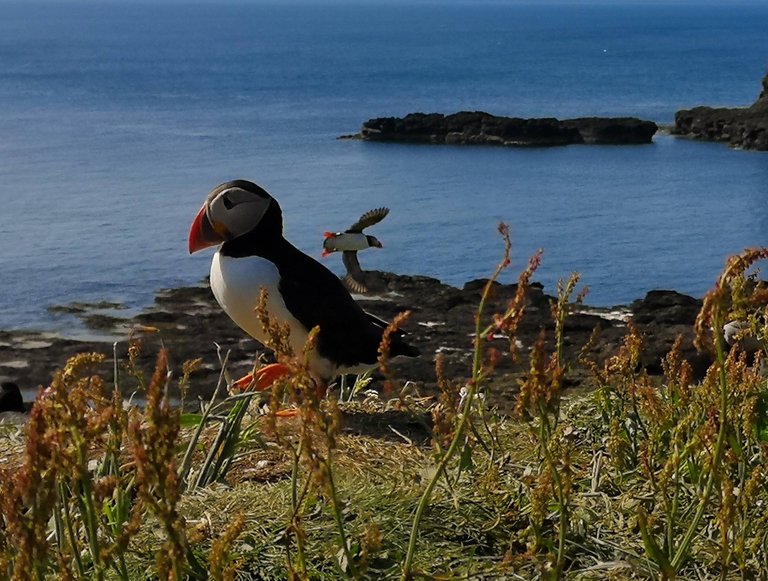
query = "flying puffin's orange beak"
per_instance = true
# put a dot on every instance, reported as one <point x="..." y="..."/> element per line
<point x="203" y="234"/>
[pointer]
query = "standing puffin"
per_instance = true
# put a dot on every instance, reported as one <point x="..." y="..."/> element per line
<point x="352" y="240"/>
<point x="247" y="223"/>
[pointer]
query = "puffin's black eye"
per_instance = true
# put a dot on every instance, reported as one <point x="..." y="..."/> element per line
<point x="228" y="204"/>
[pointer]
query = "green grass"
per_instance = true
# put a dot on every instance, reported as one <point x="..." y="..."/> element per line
<point x="636" y="479"/>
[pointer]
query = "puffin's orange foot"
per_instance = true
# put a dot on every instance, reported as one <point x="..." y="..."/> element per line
<point x="261" y="379"/>
<point x="321" y="389"/>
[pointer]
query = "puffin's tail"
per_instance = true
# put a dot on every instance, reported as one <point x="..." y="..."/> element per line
<point x="397" y="344"/>
<point x="398" y="347"/>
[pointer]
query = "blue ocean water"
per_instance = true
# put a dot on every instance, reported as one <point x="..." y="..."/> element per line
<point x="116" y="120"/>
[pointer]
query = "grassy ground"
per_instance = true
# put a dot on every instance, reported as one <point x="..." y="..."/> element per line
<point x="637" y="479"/>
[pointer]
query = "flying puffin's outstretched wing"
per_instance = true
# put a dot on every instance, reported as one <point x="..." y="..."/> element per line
<point x="354" y="279"/>
<point x="370" y="218"/>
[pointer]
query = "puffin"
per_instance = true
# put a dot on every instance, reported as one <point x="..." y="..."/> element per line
<point x="246" y="224"/>
<point x="352" y="240"/>
<point x="737" y="332"/>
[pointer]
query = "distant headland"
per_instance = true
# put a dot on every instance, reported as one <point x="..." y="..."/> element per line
<point x="742" y="127"/>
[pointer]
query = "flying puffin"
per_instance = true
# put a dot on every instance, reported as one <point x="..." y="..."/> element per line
<point x="247" y="223"/>
<point x="352" y="240"/>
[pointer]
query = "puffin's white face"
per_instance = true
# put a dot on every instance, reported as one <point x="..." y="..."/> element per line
<point x="237" y="211"/>
<point x="231" y="210"/>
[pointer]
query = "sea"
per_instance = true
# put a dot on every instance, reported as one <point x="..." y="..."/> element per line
<point x="117" y="118"/>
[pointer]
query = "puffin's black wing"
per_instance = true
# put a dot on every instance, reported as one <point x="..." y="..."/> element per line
<point x="370" y="218"/>
<point x="316" y="297"/>
<point x="354" y="279"/>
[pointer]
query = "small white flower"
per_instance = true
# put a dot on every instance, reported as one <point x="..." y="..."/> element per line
<point x="464" y="392"/>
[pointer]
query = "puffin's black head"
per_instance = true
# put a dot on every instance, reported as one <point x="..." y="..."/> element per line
<point x="231" y="210"/>
<point x="373" y="242"/>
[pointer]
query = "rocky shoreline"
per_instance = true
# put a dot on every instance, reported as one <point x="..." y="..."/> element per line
<point x="740" y="127"/>
<point x="480" y="128"/>
<point x="191" y="324"/>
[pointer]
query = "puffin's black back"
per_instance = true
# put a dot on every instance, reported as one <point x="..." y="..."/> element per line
<point x="316" y="297"/>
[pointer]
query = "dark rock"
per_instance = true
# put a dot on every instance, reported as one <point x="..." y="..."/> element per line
<point x="762" y="100"/>
<point x="190" y="325"/>
<point x="665" y="307"/>
<point x="661" y="316"/>
<point x="100" y="321"/>
<point x="613" y="131"/>
<point x="742" y="127"/>
<point x="479" y="128"/>
<point x="156" y="317"/>
<point x="79" y="307"/>
<point x="534" y="296"/>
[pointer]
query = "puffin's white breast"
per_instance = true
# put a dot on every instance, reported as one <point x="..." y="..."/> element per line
<point x="236" y="284"/>
<point x="347" y="241"/>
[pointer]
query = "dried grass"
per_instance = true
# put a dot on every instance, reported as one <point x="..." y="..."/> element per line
<point x="634" y="480"/>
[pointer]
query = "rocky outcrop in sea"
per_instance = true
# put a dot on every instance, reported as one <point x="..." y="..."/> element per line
<point x="741" y="127"/>
<point x="479" y="128"/>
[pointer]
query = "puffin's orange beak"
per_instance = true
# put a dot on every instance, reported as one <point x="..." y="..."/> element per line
<point x="202" y="234"/>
